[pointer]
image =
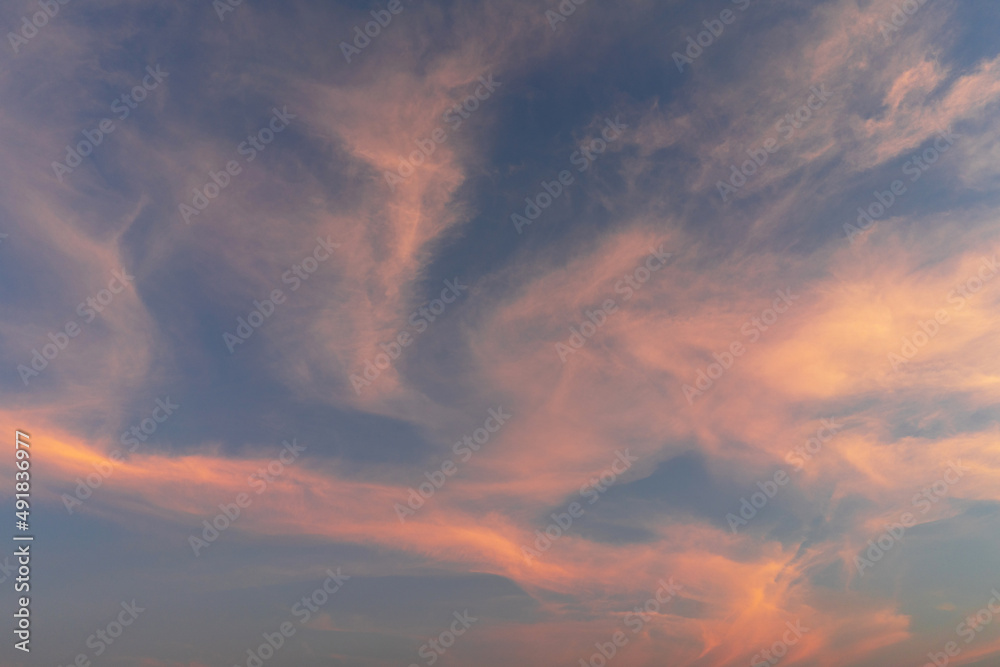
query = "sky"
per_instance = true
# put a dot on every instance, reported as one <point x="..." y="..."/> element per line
<point x="417" y="332"/>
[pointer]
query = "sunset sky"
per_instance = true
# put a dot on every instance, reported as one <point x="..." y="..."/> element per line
<point x="549" y="333"/>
